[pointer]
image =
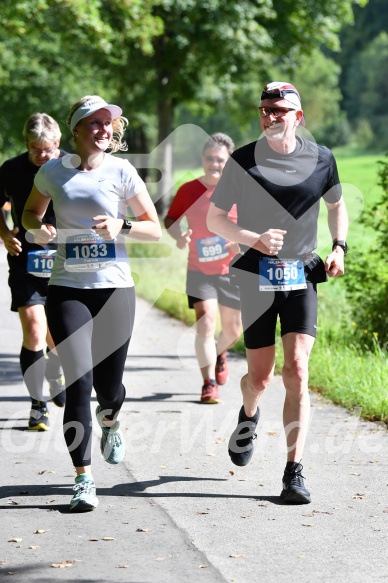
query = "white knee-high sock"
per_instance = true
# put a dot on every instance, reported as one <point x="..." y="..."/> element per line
<point x="205" y="349"/>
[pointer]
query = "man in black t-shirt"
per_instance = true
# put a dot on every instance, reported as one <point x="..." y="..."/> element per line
<point x="30" y="266"/>
<point x="277" y="183"/>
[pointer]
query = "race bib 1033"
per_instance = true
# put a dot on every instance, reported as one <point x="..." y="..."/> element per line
<point x="88" y="251"/>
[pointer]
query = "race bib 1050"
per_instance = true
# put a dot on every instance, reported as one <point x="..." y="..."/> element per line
<point x="281" y="274"/>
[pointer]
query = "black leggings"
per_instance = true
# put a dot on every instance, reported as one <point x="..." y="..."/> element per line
<point x="91" y="329"/>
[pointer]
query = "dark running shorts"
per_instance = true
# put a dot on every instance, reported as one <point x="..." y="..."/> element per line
<point x="26" y="290"/>
<point x="297" y="311"/>
<point x="201" y="287"/>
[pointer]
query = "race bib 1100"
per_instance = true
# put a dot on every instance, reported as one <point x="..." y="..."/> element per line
<point x="40" y="262"/>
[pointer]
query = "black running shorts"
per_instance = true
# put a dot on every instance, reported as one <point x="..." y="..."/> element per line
<point x="296" y="309"/>
<point x="200" y="287"/>
<point x="26" y="290"/>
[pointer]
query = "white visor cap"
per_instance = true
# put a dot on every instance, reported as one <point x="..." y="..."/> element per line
<point x="282" y="90"/>
<point x="90" y="107"/>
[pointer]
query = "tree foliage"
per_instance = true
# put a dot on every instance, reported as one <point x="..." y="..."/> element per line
<point x="363" y="59"/>
<point x="367" y="277"/>
<point x="54" y="51"/>
<point x="152" y="55"/>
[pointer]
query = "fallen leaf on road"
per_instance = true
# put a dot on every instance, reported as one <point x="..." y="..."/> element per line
<point x="200" y="512"/>
<point x="93" y="539"/>
<point x="15" y="540"/>
<point x="122" y="566"/>
<point x="237" y="556"/>
<point x="203" y="566"/>
<point x="62" y="565"/>
<point x="314" y="512"/>
<point x="108" y="538"/>
<point x="143" y="529"/>
<point x="34" y="547"/>
<point x="41" y="531"/>
<point x="307" y="524"/>
<point x="231" y="473"/>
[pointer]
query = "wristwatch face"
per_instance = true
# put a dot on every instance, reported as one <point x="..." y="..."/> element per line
<point x="127" y="226"/>
<point x="341" y="244"/>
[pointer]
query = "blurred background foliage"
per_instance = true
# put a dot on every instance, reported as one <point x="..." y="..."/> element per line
<point x="171" y="62"/>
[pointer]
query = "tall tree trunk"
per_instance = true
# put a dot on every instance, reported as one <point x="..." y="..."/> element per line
<point x="164" y="154"/>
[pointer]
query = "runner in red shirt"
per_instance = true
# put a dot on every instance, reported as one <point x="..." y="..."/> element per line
<point x="208" y="286"/>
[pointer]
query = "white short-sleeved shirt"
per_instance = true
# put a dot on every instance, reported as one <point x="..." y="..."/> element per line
<point x="84" y="261"/>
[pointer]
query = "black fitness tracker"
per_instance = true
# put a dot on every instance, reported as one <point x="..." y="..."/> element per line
<point x="127" y="226"/>
<point x="342" y="244"/>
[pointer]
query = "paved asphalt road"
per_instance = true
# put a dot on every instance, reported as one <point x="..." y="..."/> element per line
<point x="177" y="510"/>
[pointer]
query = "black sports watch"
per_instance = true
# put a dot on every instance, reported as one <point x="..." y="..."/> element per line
<point x="342" y="244"/>
<point x="127" y="226"/>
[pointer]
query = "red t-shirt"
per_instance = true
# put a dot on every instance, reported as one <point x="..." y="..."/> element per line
<point x="207" y="252"/>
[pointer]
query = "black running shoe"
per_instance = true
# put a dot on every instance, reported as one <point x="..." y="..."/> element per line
<point x="58" y="391"/>
<point x="294" y="491"/>
<point x="241" y="441"/>
<point x="39" y="418"/>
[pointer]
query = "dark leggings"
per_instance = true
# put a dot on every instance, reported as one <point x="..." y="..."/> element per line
<point x="91" y="329"/>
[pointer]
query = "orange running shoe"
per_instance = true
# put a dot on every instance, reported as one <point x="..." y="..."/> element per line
<point x="222" y="371"/>
<point x="209" y="392"/>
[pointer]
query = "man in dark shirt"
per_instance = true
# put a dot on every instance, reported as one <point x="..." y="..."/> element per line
<point x="277" y="183"/>
<point x="30" y="266"/>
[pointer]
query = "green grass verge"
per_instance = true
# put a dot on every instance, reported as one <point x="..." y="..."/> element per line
<point x="351" y="378"/>
<point x="358" y="172"/>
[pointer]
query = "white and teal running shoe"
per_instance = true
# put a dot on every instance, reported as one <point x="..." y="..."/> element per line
<point x="112" y="444"/>
<point x="84" y="498"/>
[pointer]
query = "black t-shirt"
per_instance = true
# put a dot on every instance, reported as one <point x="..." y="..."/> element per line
<point x="16" y="181"/>
<point x="275" y="191"/>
